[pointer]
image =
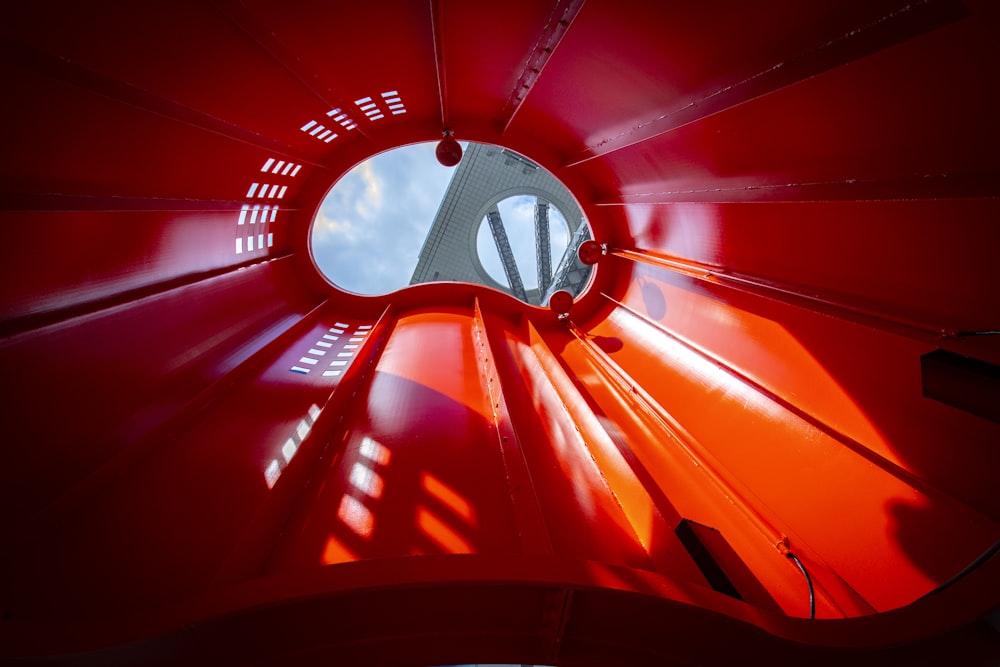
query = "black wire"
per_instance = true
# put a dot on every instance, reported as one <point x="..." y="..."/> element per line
<point x="986" y="555"/>
<point x="805" y="573"/>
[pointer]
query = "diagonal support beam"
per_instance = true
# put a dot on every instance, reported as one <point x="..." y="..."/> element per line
<point x="571" y="274"/>
<point x="909" y="20"/>
<point x="543" y="248"/>
<point x="506" y="256"/>
<point x="552" y="34"/>
<point x="493" y="357"/>
<point x="924" y="186"/>
<point x="772" y="290"/>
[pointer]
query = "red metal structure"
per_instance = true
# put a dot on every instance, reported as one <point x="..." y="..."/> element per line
<point x="785" y="351"/>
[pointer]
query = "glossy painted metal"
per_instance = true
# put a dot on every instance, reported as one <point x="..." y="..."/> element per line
<point x="212" y="455"/>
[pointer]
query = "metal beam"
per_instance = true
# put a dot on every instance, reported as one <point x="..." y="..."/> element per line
<point x="506" y="256"/>
<point x="571" y="274"/>
<point x="552" y="34"/>
<point x="532" y="529"/>
<point x="945" y="185"/>
<point x="789" y="294"/>
<point x="543" y="249"/>
<point x="872" y="35"/>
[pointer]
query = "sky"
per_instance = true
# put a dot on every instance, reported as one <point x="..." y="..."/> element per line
<point x="369" y="230"/>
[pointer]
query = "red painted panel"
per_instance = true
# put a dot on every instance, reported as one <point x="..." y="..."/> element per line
<point x="871" y="120"/>
<point x="126" y="372"/>
<point x="583" y="518"/>
<point x="627" y="69"/>
<point x="415" y="467"/>
<point x="185" y="515"/>
<point x="75" y="142"/>
<point x="925" y="261"/>
<point x="174" y="49"/>
<point x="483" y="63"/>
<point x="860" y="383"/>
<point x="358" y="55"/>
<point x="810" y="481"/>
<point x="76" y="257"/>
<point x="659" y="482"/>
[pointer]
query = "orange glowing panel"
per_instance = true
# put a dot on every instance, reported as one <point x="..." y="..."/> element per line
<point x="445" y="343"/>
<point x="442" y="534"/>
<point x="451" y="498"/>
<point x="335" y="552"/>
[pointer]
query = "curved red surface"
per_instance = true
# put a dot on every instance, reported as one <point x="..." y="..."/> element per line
<point x="799" y="202"/>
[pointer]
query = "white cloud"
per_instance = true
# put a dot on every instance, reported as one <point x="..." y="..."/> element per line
<point x="372" y="224"/>
<point x="368" y="204"/>
<point x="344" y="230"/>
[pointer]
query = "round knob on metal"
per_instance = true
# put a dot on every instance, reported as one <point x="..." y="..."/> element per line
<point x="448" y="151"/>
<point x="590" y="252"/>
<point x="560" y="303"/>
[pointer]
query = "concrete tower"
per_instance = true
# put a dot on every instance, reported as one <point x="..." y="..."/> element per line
<point x="486" y="176"/>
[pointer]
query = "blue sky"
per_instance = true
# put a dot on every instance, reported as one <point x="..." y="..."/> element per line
<point x="370" y="227"/>
<point x="369" y="230"/>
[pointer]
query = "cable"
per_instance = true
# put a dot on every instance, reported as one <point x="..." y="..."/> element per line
<point x="985" y="556"/>
<point x="809" y="583"/>
<point x="785" y="550"/>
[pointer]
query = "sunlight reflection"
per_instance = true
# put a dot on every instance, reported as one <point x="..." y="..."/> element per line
<point x="451" y="498"/>
<point x="762" y="349"/>
<point x="291" y="447"/>
<point x="272" y="473"/>
<point x="288" y="451"/>
<point x="336" y="552"/>
<point x="366" y="480"/>
<point x="356" y="516"/>
<point x="567" y="444"/>
<point x="442" y="534"/>
<point x="647" y="336"/>
<point x="370" y="449"/>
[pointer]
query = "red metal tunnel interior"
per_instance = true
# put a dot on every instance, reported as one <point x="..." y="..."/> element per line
<point x="790" y="348"/>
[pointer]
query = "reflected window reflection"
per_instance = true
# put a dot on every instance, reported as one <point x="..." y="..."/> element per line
<point x="356" y="516"/>
<point x="370" y="449"/>
<point x="291" y="447"/>
<point x="366" y="480"/>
